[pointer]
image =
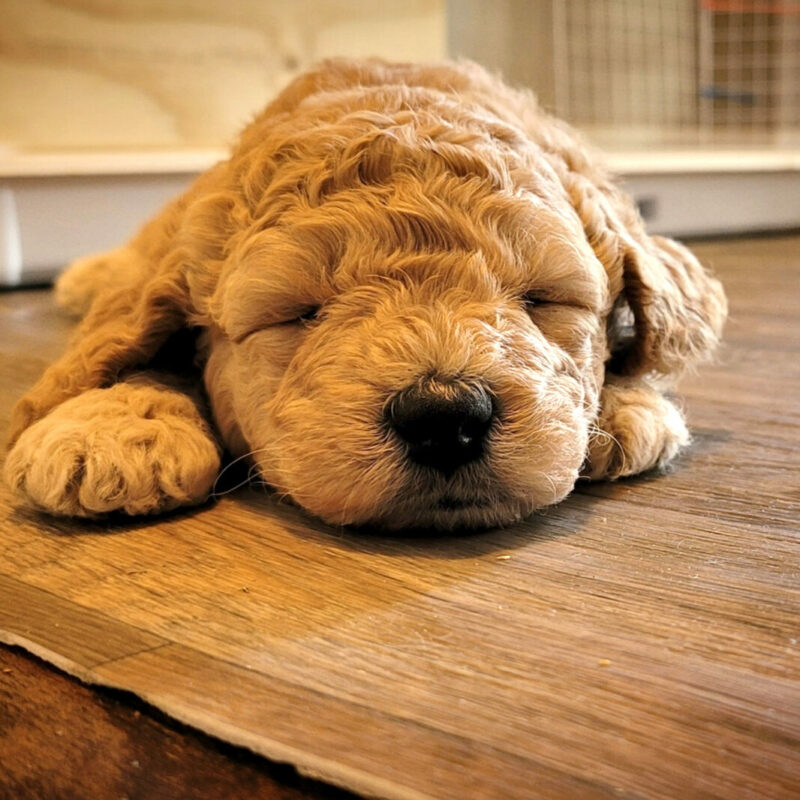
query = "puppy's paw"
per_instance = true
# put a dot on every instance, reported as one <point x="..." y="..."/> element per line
<point x="637" y="429"/>
<point x="127" y="448"/>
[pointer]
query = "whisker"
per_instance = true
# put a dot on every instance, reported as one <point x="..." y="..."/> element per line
<point x="215" y="493"/>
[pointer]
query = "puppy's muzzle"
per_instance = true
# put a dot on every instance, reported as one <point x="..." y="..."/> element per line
<point x="444" y="425"/>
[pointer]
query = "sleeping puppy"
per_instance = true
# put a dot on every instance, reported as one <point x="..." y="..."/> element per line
<point x="419" y="302"/>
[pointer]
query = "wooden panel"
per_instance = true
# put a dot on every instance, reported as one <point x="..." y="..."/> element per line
<point x="639" y="639"/>
<point x="346" y="738"/>
<point x="64" y="633"/>
<point x="145" y="73"/>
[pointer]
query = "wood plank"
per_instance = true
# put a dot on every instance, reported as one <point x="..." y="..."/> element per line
<point x="274" y="716"/>
<point x="646" y="708"/>
<point x="73" y="637"/>
<point x="139" y="75"/>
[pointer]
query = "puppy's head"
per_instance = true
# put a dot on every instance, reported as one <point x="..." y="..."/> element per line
<point x="414" y="327"/>
<point x="434" y="390"/>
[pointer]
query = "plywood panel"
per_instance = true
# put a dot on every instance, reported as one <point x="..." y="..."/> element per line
<point x="148" y="73"/>
<point x="64" y="633"/>
<point x="640" y="639"/>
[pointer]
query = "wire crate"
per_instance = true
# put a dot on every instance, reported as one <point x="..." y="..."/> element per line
<point x="679" y="71"/>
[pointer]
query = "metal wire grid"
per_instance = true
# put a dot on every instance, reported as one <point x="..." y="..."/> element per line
<point x="679" y="68"/>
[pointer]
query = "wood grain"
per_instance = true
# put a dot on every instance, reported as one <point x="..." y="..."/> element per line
<point x="147" y="74"/>
<point x="638" y="640"/>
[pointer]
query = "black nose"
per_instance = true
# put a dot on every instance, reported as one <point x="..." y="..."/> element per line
<point x="443" y="424"/>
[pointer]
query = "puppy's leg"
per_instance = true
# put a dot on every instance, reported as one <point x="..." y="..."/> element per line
<point x="85" y="278"/>
<point x="637" y="429"/>
<point x="140" y="446"/>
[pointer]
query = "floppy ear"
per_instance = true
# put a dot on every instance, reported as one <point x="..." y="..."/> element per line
<point x="678" y="308"/>
<point x="668" y="311"/>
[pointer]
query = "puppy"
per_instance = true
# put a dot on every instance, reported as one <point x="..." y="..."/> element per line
<point x="419" y="301"/>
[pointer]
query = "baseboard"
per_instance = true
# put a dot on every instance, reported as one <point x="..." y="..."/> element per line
<point x="55" y="208"/>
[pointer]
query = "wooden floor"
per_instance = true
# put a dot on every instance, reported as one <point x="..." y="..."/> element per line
<point x="640" y="640"/>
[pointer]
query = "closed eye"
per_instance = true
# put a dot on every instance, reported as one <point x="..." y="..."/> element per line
<point x="551" y="298"/>
<point x="307" y="315"/>
<point x="303" y="317"/>
<point x="535" y="298"/>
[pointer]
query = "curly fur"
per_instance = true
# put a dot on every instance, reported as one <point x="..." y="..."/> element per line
<point x="445" y="230"/>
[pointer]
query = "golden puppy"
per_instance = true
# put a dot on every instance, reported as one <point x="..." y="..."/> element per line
<point x="419" y="302"/>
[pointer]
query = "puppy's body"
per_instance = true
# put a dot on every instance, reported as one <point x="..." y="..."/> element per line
<point x="421" y="304"/>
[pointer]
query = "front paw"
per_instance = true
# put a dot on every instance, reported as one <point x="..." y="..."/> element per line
<point x="637" y="429"/>
<point x="115" y="450"/>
